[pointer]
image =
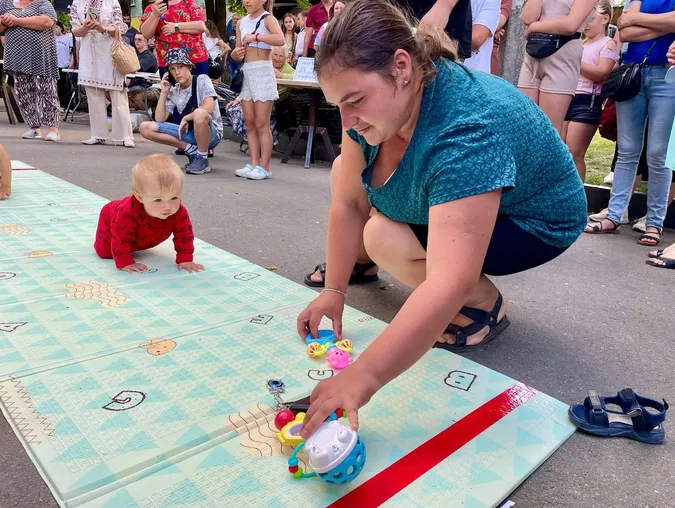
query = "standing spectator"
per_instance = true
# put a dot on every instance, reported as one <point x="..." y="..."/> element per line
<point x="216" y="48"/>
<point x="454" y="16"/>
<point x="338" y="5"/>
<point x="302" y="33"/>
<point x="65" y="57"/>
<point x="599" y="58"/>
<point x="505" y="13"/>
<point x="317" y="15"/>
<point x="130" y="35"/>
<point x="259" y="89"/>
<point x="231" y="34"/>
<point x="485" y="19"/>
<point x="30" y="55"/>
<point x="288" y="29"/>
<point x="649" y="28"/>
<point x="180" y="25"/>
<point x="552" y="81"/>
<point x="97" y="73"/>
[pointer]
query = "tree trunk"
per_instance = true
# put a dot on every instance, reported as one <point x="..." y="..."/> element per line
<point x="210" y="10"/>
<point x="221" y="18"/>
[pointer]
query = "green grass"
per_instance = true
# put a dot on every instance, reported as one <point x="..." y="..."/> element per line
<point x="598" y="161"/>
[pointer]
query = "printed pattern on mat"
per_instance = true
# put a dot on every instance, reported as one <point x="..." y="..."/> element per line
<point x="150" y="390"/>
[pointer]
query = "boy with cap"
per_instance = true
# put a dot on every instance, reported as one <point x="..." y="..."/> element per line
<point x="196" y="126"/>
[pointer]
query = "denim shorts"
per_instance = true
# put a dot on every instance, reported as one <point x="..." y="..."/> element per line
<point x="189" y="136"/>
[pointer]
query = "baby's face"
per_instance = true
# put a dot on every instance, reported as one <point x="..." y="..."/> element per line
<point x="160" y="203"/>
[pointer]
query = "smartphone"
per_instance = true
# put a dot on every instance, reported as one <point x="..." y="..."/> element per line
<point x="166" y="2"/>
<point x="93" y="13"/>
<point x="170" y="78"/>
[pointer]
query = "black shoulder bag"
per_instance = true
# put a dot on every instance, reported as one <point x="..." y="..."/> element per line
<point x="540" y="45"/>
<point x="626" y="80"/>
<point x="237" y="81"/>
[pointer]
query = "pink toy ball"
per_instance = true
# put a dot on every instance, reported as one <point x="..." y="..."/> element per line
<point x="283" y="417"/>
<point x="338" y="358"/>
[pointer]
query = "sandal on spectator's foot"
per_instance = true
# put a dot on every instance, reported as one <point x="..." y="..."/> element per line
<point x="660" y="262"/>
<point x="598" y="228"/>
<point x="658" y="254"/>
<point x="650" y="238"/>
<point x="358" y="277"/>
<point x="634" y="421"/>
<point x="481" y="319"/>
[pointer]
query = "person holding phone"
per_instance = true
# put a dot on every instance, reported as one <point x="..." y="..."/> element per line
<point x="96" y="24"/>
<point x="190" y="102"/>
<point x="176" y="24"/>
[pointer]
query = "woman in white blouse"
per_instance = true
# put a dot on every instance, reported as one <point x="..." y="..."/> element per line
<point x="96" y="21"/>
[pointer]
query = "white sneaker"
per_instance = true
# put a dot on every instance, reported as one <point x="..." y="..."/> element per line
<point x="641" y="225"/>
<point x="129" y="143"/>
<point x="258" y="173"/>
<point x="609" y="179"/>
<point x="603" y="214"/>
<point x="31" y="134"/>
<point x="244" y="171"/>
<point x="93" y="141"/>
<point x="53" y="136"/>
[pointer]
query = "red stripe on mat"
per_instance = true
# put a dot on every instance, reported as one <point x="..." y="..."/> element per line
<point x="388" y="482"/>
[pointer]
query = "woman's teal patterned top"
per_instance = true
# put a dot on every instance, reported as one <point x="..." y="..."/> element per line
<point x="477" y="133"/>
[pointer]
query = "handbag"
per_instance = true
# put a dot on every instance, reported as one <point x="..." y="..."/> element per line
<point x="540" y="45"/>
<point x="625" y="81"/>
<point x="124" y="57"/>
<point x="237" y="81"/>
<point x="607" y="127"/>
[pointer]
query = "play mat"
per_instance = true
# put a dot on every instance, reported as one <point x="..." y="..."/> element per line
<point x="149" y="390"/>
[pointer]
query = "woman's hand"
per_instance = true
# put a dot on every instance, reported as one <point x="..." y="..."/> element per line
<point x="329" y="304"/>
<point x="9" y="20"/>
<point x="232" y="104"/>
<point x="350" y="390"/>
<point x="93" y="25"/>
<point x="248" y="39"/>
<point x="628" y="18"/>
<point x="165" y="85"/>
<point x="168" y="29"/>
<point x="671" y="54"/>
<point x="277" y="73"/>
<point x="239" y="53"/>
<point x="4" y="192"/>
<point x="159" y="8"/>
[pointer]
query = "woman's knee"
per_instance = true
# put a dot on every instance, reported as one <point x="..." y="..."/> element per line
<point x="388" y="242"/>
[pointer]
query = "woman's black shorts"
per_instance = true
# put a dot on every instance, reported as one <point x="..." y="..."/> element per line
<point x="511" y="248"/>
<point x="582" y="111"/>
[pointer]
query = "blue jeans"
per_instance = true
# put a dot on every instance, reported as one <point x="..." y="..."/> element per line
<point x="189" y="136"/>
<point x="232" y="67"/>
<point x="655" y="103"/>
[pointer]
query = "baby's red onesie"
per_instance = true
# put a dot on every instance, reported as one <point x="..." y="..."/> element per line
<point x="125" y="227"/>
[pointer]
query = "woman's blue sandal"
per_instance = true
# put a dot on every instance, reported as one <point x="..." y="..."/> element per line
<point x="634" y="421"/>
<point x="481" y="319"/>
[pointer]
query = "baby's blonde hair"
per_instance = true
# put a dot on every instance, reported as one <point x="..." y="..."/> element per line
<point x="160" y="168"/>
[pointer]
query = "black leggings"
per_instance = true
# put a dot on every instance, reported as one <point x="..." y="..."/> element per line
<point x="511" y="248"/>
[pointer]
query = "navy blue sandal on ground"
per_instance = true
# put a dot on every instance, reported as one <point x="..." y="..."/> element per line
<point x="635" y="421"/>
<point x="481" y="319"/>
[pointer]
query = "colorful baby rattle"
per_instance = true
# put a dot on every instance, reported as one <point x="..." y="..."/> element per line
<point x="335" y="452"/>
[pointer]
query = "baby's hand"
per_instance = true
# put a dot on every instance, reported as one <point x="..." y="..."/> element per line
<point x="191" y="267"/>
<point x="136" y="267"/>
